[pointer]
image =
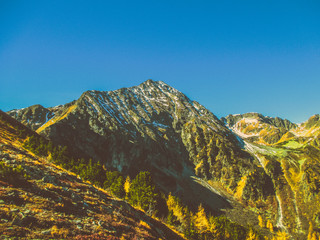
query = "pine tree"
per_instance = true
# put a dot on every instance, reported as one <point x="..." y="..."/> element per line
<point x="252" y="235"/>
<point x="213" y="228"/>
<point x="110" y="178"/>
<point x="310" y="232"/>
<point x="282" y="236"/>
<point x="117" y="187"/>
<point x="270" y="226"/>
<point x="261" y="222"/>
<point x="127" y="185"/>
<point x="142" y="191"/>
<point x="201" y="220"/>
<point x="174" y="204"/>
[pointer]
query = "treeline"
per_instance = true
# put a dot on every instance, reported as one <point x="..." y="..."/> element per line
<point x="199" y="225"/>
<point x="142" y="193"/>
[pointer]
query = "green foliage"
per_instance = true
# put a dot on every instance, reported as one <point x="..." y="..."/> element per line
<point x="13" y="175"/>
<point x="142" y="192"/>
<point x="199" y="225"/>
<point x="90" y="171"/>
<point x="312" y="173"/>
<point x="189" y="226"/>
<point x="59" y="156"/>
<point x="111" y="177"/>
<point x="87" y="169"/>
<point x="44" y="148"/>
<point x="190" y="231"/>
<point x="172" y="219"/>
<point x="37" y="145"/>
<point x="223" y="228"/>
<point x="115" y="183"/>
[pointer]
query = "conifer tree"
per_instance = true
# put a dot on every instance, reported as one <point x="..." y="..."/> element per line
<point x="117" y="187"/>
<point x="201" y="220"/>
<point x="252" y="235"/>
<point x="142" y="191"/>
<point x="261" y="222"/>
<point x="310" y="232"/>
<point x="127" y="185"/>
<point x="270" y="226"/>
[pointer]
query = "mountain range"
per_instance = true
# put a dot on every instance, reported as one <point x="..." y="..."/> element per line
<point x="253" y="169"/>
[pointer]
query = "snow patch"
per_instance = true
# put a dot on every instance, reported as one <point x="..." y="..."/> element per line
<point x="156" y="124"/>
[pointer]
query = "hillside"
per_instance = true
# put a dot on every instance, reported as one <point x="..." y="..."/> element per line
<point x="41" y="200"/>
<point x="290" y="155"/>
<point x="251" y="168"/>
<point x="154" y="127"/>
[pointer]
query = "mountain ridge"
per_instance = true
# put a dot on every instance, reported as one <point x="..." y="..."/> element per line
<point x="155" y="127"/>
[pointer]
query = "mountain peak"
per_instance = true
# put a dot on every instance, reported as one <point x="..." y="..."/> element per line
<point x="150" y="81"/>
<point x="159" y="84"/>
<point x="154" y="127"/>
<point x="313" y="121"/>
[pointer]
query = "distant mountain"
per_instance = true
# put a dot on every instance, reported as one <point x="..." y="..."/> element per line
<point x="242" y="163"/>
<point x="313" y="122"/>
<point x="258" y="128"/>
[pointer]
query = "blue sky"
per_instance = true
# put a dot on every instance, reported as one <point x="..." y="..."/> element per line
<point x="230" y="56"/>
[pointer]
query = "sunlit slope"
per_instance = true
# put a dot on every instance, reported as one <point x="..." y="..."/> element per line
<point x="292" y="160"/>
<point x="40" y="200"/>
<point x="266" y="165"/>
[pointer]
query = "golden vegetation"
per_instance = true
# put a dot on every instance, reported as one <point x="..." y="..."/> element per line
<point x="240" y="187"/>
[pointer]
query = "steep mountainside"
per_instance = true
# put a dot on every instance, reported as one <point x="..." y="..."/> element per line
<point x="291" y="159"/>
<point x="247" y="162"/>
<point x="155" y="127"/>
<point x="308" y="131"/>
<point x="39" y="200"/>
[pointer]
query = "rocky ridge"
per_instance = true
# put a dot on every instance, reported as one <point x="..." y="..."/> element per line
<point x="257" y="128"/>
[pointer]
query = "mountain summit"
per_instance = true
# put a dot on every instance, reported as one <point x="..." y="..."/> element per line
<point x="152" y="127"/>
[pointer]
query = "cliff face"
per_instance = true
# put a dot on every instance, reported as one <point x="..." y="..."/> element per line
<point x="267" y="163"/>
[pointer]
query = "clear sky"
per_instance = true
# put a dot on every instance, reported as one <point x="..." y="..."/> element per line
<point x="230" y="56"/>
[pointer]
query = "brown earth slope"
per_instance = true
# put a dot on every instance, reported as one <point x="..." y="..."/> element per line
<point x="41" y="200"/>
